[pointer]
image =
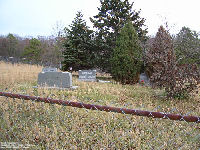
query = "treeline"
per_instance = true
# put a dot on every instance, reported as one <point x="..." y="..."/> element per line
<point x="41" y="50"/>
<point x="49" y="49"/>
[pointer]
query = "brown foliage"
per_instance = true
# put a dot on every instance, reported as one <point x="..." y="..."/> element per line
<point x="187" y="78"/>
<point x="164" y="72"/>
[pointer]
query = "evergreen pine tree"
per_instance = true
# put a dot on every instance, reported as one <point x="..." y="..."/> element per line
<point x="12" y="45"/>
<point x="78" y="52"/>
<point x="127" y="56"/>
<point x="33" y="51"/>
<point x="187" y="47"/>
<point x="112" y="16"/>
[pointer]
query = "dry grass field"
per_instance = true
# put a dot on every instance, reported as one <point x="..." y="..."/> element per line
<point x="51" y="126"/>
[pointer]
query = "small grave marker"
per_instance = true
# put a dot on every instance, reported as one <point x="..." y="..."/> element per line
<point x="49" y="70"/>
<point x="144" y="78"/>
<point x="87" y="75"/>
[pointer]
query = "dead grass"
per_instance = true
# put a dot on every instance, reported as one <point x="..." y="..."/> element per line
<point x="18" y="73"/>
<point x="58" y="127"/>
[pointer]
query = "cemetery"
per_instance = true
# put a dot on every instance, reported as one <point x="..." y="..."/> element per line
<point x="112" y="94"/>
<point x="125" y="109"/>
<point x="112" y="86"/>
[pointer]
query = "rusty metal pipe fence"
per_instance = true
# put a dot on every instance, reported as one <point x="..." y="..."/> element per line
<point x="177" y="117"/>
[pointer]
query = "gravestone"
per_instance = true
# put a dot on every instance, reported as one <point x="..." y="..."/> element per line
<point x="49" y="70"/>
<point x="87" y="75"/>
<point x="144" y="78"/>
<point x="51" y="78"/>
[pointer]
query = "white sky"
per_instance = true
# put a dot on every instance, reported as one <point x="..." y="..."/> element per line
<point x="38" y="17"/>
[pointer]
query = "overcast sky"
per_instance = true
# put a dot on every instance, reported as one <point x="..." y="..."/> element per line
<point x="39" y="17"/>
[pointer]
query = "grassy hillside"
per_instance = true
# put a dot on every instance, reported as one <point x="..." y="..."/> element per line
<point x="62" y="127"/>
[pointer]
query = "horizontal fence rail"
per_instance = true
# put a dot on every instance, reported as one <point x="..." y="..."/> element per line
<point x="105" y="108"/>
